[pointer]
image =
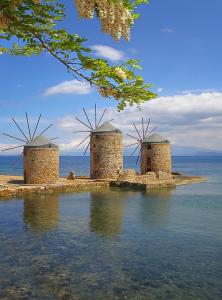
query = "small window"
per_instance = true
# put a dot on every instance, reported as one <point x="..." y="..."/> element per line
<point x="149" y="147"/>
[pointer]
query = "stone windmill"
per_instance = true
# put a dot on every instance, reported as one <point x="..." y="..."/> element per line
<point x="106" y="147"/>
<point x="40" y="155"/>
<point x="155" y="152"/>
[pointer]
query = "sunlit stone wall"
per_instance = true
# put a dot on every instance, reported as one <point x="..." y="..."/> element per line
<point x="41" y="165"/>
<point x="106" y="155"/>
<point x="156" y="158"/>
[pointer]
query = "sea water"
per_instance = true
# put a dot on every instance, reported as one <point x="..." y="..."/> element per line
<point x="115" y="244"/>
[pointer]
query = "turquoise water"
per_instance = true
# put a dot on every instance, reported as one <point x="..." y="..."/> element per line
<point x="113" y="244"/>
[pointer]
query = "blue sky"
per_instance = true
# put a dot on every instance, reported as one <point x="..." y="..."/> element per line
<point x="179" y="45"/>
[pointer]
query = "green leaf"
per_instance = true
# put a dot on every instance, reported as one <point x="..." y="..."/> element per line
<point x="39" y="28"/>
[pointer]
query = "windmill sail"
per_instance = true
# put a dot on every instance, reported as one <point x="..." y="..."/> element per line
<point x="91" y="125"/>
<point x="27" y="134"/>
<point x="140" y="136"/>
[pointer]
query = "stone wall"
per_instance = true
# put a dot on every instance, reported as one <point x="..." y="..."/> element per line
<point x="63" y="185"/>
<point x="155" y="158"/>
<point x="106" y="155"/>
<point x="41" y="165"/>
<point x="127" y="175"/>
<point x="147" y="178"/>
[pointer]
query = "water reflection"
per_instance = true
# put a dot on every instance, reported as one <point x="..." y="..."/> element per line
<point x="160" y="252"/>
<point x="106" y="211"/>
<point x="155" y="206"/>
<point x="41" y="212"/>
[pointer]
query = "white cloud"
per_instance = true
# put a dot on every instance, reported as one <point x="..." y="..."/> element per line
<point x="72" y="146"/>
<point x="67" y="122"/>
<point x="69" y="87"/>
<point x="192" y="120"/>
<point x="159" y="90"/>
<point x="108" y="52"/>
<point x="187" y="120"/>
<point x="168" y="30"/>
<point x="198" y="91"/>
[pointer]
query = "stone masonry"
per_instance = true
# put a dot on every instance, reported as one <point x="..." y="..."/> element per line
<point x="156" y="158"/>
<point x="127" y="175"/>
<point x="41" y="165"/>
<point x="106" y="155"/>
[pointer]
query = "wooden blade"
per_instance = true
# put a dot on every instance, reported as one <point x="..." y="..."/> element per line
<point x="107" y="121"/>
<point x="86" y="148"/>
<point x="45" y="129"/>
<point x="17" y="160"/>
<point x="83" y="141"/>
<point x="12" y="148"/>
<point x="147" y="127"/>
<point x="137" y="131"/>
<point x="138" y="157"/>
<point x="132" y="144"/>
<point x="88" y="119"/>
<point x="133" y="137"/>
<point x="55" y="138"/>
<point x="37" y="124"/>
<point x="151" y="131"/>
<point x="101" y="117"/>
<point x="134" y="150"/>
<point x="20" y="129"/>
<point x="143" y="129"/>
<point x="83" y="123"/>
<point x="81" y="131"/>
<point x="13" y="137"/>
<point x="27" y="120"/>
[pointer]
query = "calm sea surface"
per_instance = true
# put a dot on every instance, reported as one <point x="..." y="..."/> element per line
<point x="115" y="244"/>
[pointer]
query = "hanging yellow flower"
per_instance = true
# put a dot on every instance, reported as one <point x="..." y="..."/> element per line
<point x="116" y="19"/>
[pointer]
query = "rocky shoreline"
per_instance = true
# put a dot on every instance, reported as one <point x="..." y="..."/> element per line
<point x="13" y="186"/>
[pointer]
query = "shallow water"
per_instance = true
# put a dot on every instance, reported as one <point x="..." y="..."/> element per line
<point x="113" y="244"/>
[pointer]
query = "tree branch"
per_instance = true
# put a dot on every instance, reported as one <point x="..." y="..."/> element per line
<point x="45" y="46"/>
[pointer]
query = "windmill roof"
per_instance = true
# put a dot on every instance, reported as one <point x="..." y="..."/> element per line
<point x="155" y="138"/>
<point x="41" y="142"/>
<point x="106" y="127"/>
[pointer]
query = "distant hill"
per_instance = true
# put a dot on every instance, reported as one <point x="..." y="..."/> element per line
<point x="194" y="151"/>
